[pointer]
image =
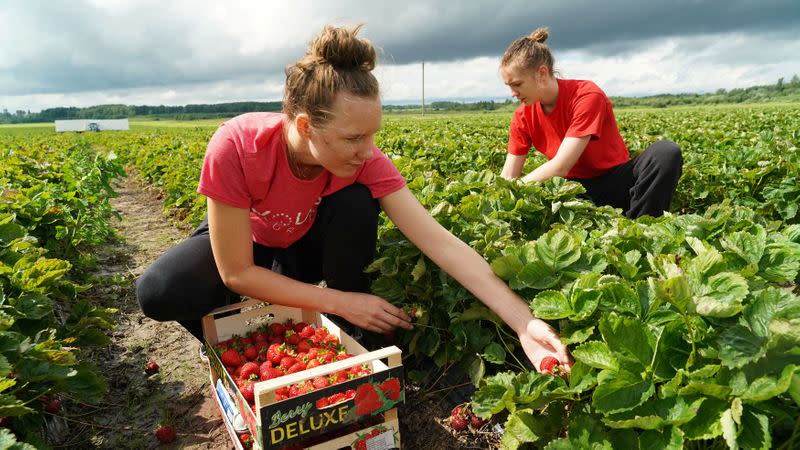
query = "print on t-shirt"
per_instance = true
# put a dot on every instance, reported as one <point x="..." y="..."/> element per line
<point x="281" y="221"/>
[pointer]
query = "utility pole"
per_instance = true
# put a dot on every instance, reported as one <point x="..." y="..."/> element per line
<point x="423" y="87"/>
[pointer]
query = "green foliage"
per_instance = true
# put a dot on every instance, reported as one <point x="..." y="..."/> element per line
<point x="53" y="204"/>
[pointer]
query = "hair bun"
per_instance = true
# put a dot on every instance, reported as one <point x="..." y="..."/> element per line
<point x="343" y="49"/>
<point x="540" y="35"/>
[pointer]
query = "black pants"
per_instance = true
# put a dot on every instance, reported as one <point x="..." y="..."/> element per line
<point x="184" y="284"/>
<point x="643" y="185"/>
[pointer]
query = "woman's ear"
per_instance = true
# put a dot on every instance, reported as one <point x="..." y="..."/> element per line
<point x="302" y="125"/>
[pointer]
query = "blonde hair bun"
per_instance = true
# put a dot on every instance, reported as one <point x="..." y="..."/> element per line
<point x="343" y="49"/>
<point x="540" y="35"/>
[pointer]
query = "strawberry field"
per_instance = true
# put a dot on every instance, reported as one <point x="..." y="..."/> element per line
<point x="685" y="329"/>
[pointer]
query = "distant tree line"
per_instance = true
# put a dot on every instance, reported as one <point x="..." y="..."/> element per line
<point x="186" y="112"/>
<point x="782" y="91"/>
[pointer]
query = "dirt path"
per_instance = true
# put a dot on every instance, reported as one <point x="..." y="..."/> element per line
<point x="136" y="402"/>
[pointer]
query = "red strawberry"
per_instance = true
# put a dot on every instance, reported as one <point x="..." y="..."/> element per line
<point x="53" y="405"/>
<point x="458" y="423"/>
<point x="306" y="332"/>
<point x="304" y="346"/>
<point x="391" y="388"/>
<point x="549" y="365"/>
<point x="245" y="340"/>
<point x="296" y="367"/>
<point x="151" y="367"/>
<point x="292" y="338"/>
<point x="231" y="358"/>
<point x="320" y="382"/>
<point x="275" y="352"/>
<point x="476" y="422"/>
<point x="250" y="352"/>
<point x="260" y="335"/>
<point x="282" y="391"/>
<point x="249" y="368"/>
<point x="165" y="433"/>
<point x="268" y="373"/>
<point x="298" y="327"/>
<point x="312" y="363"/>
<point x="247" y="391"/>
<point x="286" y="362"/>
<point x="277" y="329"/>
<point x="331" y="341"/>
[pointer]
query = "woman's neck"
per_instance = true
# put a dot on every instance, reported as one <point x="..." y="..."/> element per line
<point x="550" y="97"/>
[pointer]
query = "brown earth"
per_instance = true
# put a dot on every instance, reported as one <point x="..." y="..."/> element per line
<point x="180" y="392"/>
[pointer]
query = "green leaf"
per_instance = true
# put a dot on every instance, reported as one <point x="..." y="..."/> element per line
<point x="478" y="312"/>
<point x="780" y="263"/>
<point x="669" y="439"/>
<point x="494" y="353"/>
<point x="34" y="306"/>
<point x="722" y="296"/>
<point x="388" y="288"/>
<point x="576" y="336"/>
<point x="729" y="429"/>
<point x="621" y="298"/>
<point x="738" y="346"/>
<point x="10" y="232"/>
<point x="518" y="429"/>
<point x="476" y="370"/>
<point x="507" y="266"/>
<point x="596" y="354"/>
<point x="766" y="387"/>
<point x="11" y="406"/>
<point x="9" y="442"/>
<point x="488" y="399"/>
<point x="419" y="269"/>
<point x="429" y="342"/>
<point x="754" y="432"/>
<point x="557" y="250"/>
<point x="749" y="247"/>
<point x="620" y="391"/>
<point x="535" y="275"/>
<point x="675" y="291"/>
<point x="551" y="305"/>
<point x="706" y="424"/>
<point x="584" y="303"/>
<point x="627" y="335"/>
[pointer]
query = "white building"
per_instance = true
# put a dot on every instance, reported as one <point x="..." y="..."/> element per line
<point x="92" y="125"/>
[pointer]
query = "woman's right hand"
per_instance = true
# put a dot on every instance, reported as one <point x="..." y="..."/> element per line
<point x="371" y="312"/>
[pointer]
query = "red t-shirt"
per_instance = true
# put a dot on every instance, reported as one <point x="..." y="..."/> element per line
<point x="582" y="109"/>
<point x="245" y="166"/>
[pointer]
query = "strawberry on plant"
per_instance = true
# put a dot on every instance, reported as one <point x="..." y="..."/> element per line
<point x="458" y="423"/>
<point x="151" y="367"/>
<point x="53" y="405"/>
<point x="549" y="365"/>
<point x="165" y="433"/>
<point x="476" y="422"/>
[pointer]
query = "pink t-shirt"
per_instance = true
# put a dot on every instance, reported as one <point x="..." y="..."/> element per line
<point x="245" y="166"/>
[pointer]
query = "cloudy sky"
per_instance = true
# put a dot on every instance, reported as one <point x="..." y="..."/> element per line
<point x="175" y="52"/>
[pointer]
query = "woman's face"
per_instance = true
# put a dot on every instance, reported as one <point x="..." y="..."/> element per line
<point x="347" y="140"/>
<point x="525" y="84"/>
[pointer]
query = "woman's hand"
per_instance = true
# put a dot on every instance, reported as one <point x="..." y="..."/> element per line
<point x="372" y="313"/>
<point x="541" y="340"/>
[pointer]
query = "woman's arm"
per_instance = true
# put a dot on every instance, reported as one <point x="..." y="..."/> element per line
<point x="569" y="151"/>
<point x="231" y="242"/>
<point x="474" y="273"/>
<point x="513" y="166"/>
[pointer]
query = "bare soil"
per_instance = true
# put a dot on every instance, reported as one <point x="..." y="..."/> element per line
<point x="180" y="394"/>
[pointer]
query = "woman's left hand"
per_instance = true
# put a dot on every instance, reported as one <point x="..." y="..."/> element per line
<point x="541" y="340"/>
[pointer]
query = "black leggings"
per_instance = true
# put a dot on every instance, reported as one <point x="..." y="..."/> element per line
<point x="184" y="284"/>
<point x="643" y="185"/>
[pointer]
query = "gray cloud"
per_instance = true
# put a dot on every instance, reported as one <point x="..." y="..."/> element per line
<point x="63" y="47"/>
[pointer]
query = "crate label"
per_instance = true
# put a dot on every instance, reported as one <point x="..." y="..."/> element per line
<point x="383" y="441"/>
<point x="305" y="416"/>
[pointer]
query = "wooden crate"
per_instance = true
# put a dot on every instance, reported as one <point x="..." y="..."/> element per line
<point x="297" y="420"/>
